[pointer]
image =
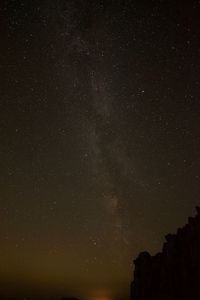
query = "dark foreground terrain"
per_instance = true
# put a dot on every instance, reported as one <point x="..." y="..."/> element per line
<point x="175" y="272"/>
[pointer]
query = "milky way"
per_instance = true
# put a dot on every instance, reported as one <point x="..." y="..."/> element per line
<point x="99" y="140"/>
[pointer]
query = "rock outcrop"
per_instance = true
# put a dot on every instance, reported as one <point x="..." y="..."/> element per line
<point x="175" y="272"/>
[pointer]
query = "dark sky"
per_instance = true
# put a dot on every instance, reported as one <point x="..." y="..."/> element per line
<point x="99" y="139"/>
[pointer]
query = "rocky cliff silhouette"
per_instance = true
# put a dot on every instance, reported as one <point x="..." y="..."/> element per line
<point x="175" y="272"/>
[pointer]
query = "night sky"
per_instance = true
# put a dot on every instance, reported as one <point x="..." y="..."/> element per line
<point x="99" y="140"/>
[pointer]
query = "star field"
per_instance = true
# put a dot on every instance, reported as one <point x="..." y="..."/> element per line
<point x="99" y="140"/>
